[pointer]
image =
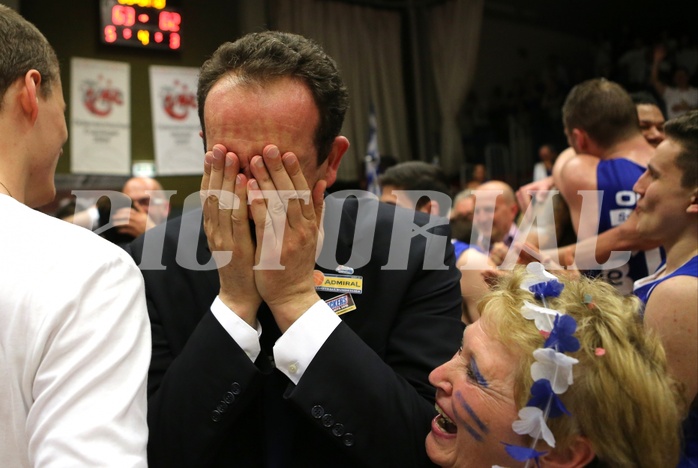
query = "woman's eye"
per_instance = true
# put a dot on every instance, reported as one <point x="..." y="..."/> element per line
<point x="474" y="374"/>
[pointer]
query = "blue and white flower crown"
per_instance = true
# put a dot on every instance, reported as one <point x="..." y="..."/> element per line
<point x="552" y="371"/>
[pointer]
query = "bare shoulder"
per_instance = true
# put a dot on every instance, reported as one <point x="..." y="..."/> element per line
<point x="674" y="299"/>
<point x="579" y="173"/>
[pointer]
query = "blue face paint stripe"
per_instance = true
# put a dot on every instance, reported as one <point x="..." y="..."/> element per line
<point x="483" y="427"/>
<point x="480" y="379"/>
<point x="470" y="430"/>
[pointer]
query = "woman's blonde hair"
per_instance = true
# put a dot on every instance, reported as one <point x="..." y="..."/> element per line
<point x="622" y="398"/>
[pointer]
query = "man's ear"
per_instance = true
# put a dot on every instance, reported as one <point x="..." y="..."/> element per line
<point x="581" y="140"/>
<point x="431" y="207"/>
<point x="579" y="453"/>
<point x="340" y="145"/>
<point x="29" y="94"/>
<point x="693" y="207"/>
<point x="514" y="209"/>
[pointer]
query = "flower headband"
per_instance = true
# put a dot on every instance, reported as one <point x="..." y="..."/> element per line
<point x="552" y="371"/>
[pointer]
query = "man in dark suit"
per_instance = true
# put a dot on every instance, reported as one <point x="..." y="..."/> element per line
<point x="274" y="359"/>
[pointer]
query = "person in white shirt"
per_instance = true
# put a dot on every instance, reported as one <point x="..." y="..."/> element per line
<point x="678" y="99"/>
<point x="74" y="330"/>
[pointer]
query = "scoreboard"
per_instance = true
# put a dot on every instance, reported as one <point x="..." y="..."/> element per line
<point x="145" y="24"/>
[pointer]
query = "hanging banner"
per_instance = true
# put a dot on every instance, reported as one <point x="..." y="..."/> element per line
<point x="100" y="122"/>
<point x="178" y="146"/>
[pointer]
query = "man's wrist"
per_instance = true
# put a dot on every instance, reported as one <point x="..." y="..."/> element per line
<point x="286" y="311"/>
<point x="246" y="309"/>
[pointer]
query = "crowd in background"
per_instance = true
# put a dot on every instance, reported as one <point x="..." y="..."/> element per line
<point x="281" y="325"/>
<point x="531" y="103"/>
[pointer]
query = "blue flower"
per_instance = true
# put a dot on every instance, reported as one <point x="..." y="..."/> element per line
<point x="522" y="453"/>
<point x="562" y="336"/>
<point x="551" y="288"/>
<point x="542" y="395"/>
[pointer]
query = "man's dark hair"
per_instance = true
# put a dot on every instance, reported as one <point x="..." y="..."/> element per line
<point x="266" y="56"/>
<point x="23" y="48"/>
<point x="603" y="109"/>
<point x="643" y="97"/>
<point x="417" y="175"/>
<point x="684" y="131"/>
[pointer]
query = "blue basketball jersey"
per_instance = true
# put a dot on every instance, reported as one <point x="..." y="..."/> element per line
<point x="615" y="179"/>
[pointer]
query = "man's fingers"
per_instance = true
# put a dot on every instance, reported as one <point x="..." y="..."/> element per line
<point x="319" y="199"/>
<point x="230" y="171"/>
<point x="217" y="165"/>
<point x="277" y="169"/>
<point x="203" y="191"/>
<point x="300" y="186"/>
<point x="258" y="210"/>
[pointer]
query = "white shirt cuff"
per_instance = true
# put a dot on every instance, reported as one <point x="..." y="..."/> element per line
<point x="296" y="348"/>
<point x="244" y="335"/>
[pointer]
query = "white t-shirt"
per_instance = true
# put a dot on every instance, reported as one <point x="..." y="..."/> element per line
<point x="74" y="346"/>
<point x="675" y="96"/>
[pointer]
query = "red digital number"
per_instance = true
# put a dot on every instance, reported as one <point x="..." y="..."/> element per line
<point x="174" y="41"/>
<point x="123" y="15"/>
<point x="169" y="21"/>
<point x="158" y="37"/>
<point x="110" y="33"/>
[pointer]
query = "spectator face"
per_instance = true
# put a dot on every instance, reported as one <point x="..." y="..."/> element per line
<point x="464" y="208"/>
<point x="664" y="200"/>
<point x="143" y="192"/>
<point x="651" y="123"/>
<point x="479" y="172"/>
<point x="495" y="219"/>
<point x="546" y="154"/>
<point x="475" y="390"/>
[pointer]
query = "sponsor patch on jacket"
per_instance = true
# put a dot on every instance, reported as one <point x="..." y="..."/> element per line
<point x="341" y="304"/>
<point x="337" y="283"/>
<point x="344" y="270"/>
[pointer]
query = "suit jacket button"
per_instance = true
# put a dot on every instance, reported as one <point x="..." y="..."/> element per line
<point x="317" y="411"/>
<point x="215" y="416"/>
<point x="328" y="420"/>
<point x="235" y="388"/>
<point x="229" y="398"/>
<point x="338" y="430"/>
<point x="348" y="439"/>
<point x="222" y="407"/>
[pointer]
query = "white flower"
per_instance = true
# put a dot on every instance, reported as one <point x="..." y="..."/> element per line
<point x="553" y="366"/>
<point x="532" y="422"/>
<point x="544" y="318"/>
<point x="536" y="274"/>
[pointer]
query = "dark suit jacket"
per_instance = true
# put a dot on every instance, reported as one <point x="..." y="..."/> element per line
<point x="365" y="399"/>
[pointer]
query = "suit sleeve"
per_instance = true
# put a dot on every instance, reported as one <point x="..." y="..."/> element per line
<point x="204" y="392"/>
<point x="200" y="381"/>
<point x="380" y="407"/>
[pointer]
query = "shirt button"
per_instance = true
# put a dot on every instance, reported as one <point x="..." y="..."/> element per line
<point x="348" y="439"/>
<point x="216" y="416"/>
<point x="235" y="388"/>
<point x="328" y="420"/>
<point x="229" y="398"/>
<point x="317" y="411"/>
<point x="293" y="368"/>
<point x="338" y="430"/>
<point x="222" y="407"/>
